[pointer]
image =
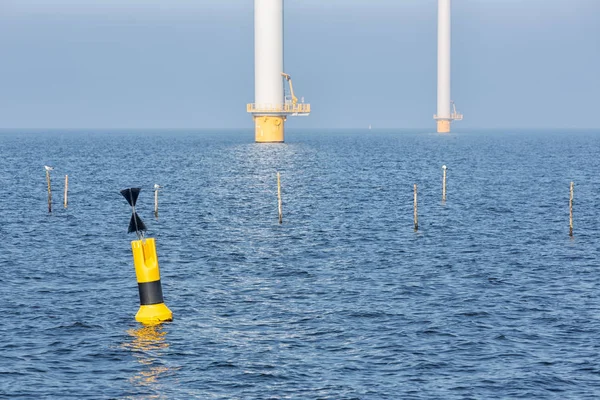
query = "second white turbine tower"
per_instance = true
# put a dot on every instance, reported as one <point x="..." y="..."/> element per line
<point x="446" y="112"/>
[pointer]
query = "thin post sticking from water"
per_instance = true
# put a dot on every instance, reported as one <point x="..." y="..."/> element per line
<point x="571" y="212"/>
<point x="66" y="190"/>
<point x="279" y="197"/>
<point x="444" y="183"/>
<point x="415" y="210"/>
<point x="156" y="203"/>
<point x="49" y="189"/>
<point x="156" y="187"/>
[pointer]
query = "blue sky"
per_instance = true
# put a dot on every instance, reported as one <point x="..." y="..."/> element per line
<point x="189" y="63"/>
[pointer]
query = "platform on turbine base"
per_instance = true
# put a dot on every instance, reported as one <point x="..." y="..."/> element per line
<point x="269" y="119"/>
<point x="453" y="117"/>
<point x="300" y="109"/>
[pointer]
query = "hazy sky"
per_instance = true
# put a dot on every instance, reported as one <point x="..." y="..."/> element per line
<point x="190" y="63"/>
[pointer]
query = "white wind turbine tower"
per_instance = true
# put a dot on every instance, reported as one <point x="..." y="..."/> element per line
<point x="271" y="106"/>
<point x="446" y="110"/>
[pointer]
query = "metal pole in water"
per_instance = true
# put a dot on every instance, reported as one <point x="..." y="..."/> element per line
<point x="571" y="212"/>
<point x="444" y="184"/>
<point x="49" y="192"/>
<point x="156" y="203"/>
<point x="48" y="169"/>
<point x="156" y="187"/>
<point x="279" y="197"/>
<point x="415" y="210"/>
<point x="66" y="189"/>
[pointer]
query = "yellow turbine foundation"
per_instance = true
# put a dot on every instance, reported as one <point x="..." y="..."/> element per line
<point x="443" y="126"/>
<point x="269" y="129"/>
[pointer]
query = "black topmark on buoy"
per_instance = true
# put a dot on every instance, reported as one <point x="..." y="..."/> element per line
<point x="152" y="307"/>
<point x="135" y="223"/>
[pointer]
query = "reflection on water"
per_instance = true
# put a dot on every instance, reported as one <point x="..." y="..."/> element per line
<point x="147" y="344"/>
<point x="148" y="337"/>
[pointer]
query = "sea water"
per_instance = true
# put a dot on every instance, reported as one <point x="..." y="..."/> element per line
<point x="490" y="298"/>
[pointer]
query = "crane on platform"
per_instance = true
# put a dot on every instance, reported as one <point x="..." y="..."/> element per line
<point x="455" y="115"/>
<point x="288" y="78"/>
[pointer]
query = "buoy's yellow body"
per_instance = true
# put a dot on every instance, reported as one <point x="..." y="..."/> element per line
<point x="152" y="307"/>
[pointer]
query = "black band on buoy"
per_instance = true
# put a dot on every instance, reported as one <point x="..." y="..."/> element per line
<point x="150" y="293"/>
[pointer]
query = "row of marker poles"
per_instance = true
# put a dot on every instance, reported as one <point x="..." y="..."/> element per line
<point x="415" y="202"/>
<point x="66" y="195"/>
<point x="48" y="181"/>
<point x="444" y="169"/>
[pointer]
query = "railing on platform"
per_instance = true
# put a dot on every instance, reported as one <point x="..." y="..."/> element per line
<point x="300" y="108"/>
<point x="452" y="117"/>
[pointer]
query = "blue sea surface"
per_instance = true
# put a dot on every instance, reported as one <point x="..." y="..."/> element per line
<point x="490" y="298"/>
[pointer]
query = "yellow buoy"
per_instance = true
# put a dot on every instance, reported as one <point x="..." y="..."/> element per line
<point x="152" y="306"/>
